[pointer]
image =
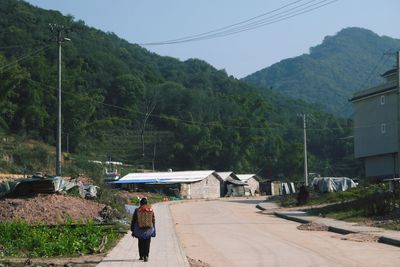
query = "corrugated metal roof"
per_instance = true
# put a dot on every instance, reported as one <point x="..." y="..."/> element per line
<point x="234" y="181"/>
<point x="224" y="175"/>
<point x="245" y="177"/>
<point x="166" y="177"/>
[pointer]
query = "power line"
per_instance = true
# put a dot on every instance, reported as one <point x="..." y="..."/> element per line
<point x="232" y="25"/>
<point x="11" y="46"/>
<point x="215" y="123"/>
<point x="373" y="71"/>
<point x="272" y="20"/>
<point x="245" y="25"/>
<point x="7" y="66"/>
<point x="231" y="31"/>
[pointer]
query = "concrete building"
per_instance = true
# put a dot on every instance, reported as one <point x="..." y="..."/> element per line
<point x="186" y="184"/>
<point x="376" y="136"/>
<point x="252" y="183"/>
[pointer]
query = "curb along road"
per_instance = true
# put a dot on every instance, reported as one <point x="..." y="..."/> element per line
<point x="384" y="236"/>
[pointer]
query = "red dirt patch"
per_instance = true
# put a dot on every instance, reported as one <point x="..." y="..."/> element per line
<point x="49" y="209"/>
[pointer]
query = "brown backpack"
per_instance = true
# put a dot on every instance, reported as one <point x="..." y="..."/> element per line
<point x="145" y="217"/>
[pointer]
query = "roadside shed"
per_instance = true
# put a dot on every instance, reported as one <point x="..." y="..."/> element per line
<point x="188" y="184"/>
<point x="271" y="187"/>
<point x="252" y="182"/>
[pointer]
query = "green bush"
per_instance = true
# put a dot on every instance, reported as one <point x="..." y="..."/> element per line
<point x="19" y="239"/>
<point x="34" y="159"/>
<point x="367" y="201"/>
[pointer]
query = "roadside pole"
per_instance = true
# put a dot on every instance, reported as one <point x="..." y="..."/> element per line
<point x="398" y="113"/>
<point x="305" y="148"/>
<point x="59" y="30"/>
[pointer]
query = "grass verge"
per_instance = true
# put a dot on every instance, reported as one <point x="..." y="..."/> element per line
<point x="19" y="239"/>
<point x="372" y="205"/>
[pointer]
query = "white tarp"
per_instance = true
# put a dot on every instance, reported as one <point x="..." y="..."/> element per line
<point x="285" y="189"/>
<point x="333" y="184"/>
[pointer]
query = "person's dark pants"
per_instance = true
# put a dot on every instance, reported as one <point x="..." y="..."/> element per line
<point x="144" y="247"/>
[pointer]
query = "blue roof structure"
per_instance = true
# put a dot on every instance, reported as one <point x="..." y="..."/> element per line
<point x="135" y="181"/>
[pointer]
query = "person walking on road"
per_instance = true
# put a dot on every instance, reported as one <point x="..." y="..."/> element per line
<point x="143" y="227"/>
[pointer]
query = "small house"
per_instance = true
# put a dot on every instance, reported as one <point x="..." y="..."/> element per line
<point x="232" y="186"/>
<point x="252" y="182"/>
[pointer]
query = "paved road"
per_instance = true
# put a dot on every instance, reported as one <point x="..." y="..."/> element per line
<point x="235" y="233"/>
<point x="165" y="249"/>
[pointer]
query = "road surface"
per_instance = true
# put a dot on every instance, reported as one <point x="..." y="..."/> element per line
<point x="235" y="233"/>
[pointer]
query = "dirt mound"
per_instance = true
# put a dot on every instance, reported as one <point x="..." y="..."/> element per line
<point x="313" y="227"/>
<point x="80" y="178"/>
<point x="197" y="263"/>
<point x="49" y="209"/>
<point x="359" y="237"/>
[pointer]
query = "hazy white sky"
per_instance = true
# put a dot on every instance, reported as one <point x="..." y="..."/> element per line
<point x="143" y="21"/>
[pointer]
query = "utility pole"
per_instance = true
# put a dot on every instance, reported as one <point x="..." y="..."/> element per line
<point x="305" y="147"/>
<point x="398" y="113"/>
<point x="59" y="30"/>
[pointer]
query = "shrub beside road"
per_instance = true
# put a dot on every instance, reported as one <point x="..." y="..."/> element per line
<point x="372" y="205"/>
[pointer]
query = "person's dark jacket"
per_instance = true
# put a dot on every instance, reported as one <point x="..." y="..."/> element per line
<point x="142" y="233"/>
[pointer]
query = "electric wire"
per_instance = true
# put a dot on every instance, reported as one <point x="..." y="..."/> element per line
<point x="232" y="25"/>
<point x="374" y="69"/>
<point x="215" y="123"/>
<point x="271" y="20"/>
<point x="230" y="29"/>
<point x="9" y="65"/>
<point x="11" y="46"/>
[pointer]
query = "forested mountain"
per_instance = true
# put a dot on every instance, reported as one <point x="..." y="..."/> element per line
<point x="122" y="102"/>
<point x="347" y="62"/>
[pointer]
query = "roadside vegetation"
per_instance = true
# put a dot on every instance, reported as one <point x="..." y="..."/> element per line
<point x="19" y="239"/>
<point x="373" y="205"/>
<point x="71" y="238"/>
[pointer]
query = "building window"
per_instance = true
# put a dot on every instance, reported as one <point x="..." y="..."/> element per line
<point x="382" y="100"/>
<point x="383" y="128"/>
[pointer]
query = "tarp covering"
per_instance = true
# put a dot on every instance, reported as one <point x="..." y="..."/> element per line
<point x="285" y="189"/>
<point x="6" y="187"/>
<point x="32" y="185"/>
<point x="235" y="190"/>
<point x="333" y="184"/>
<point x="44" y="185"/>
<point x="88" y="191"/>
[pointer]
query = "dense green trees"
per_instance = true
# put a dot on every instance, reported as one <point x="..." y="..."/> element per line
<point x="122" y="102"/>
<point x="347" y="62"/>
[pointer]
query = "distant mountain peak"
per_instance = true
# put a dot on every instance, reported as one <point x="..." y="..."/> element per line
<point x="333" y="70"/>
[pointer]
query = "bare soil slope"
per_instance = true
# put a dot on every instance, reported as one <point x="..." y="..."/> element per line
<point x="49" y="209"/>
